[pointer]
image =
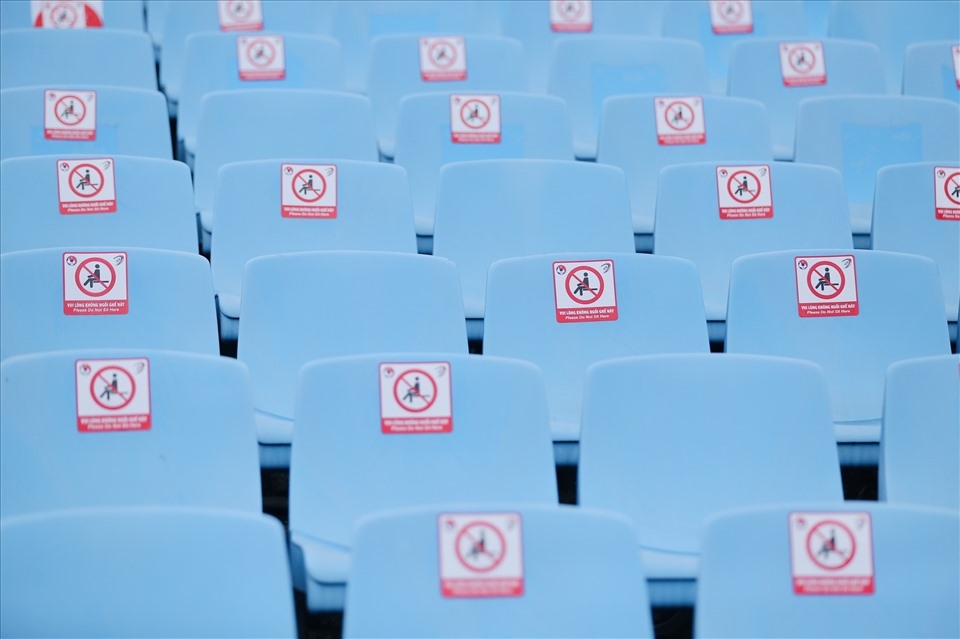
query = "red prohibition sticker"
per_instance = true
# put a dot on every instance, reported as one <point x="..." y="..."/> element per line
<point x="475" y="119"/>
<point x="827" y="286"/>
<point x="60" y="14"/>
<point x="70" y="115"/>
<point x="415" y="398"/>
<point x="585" y="291"/>
<point x="744" y="192"/>
<point x="955" y="51"/>
<point x="571" y="16"/>
<point x="481" y="554"/>
<point x="680" y="120"/>
<point x="261" y="58"/>
<point x="308" y="191"/>
<point x="95" y="283"/>
<point x="240" y="15"/>
<point x="831" y="553"/>
<point x="113" y="394"/>
<point x="802" y="64"/>
<point x="443" y="59"/>
<point x="731" y="16"/>
<point x="86" y="186"/>
<point x="946" y="184"/>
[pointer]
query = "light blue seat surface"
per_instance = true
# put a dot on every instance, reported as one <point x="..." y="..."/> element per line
<point x="49" y="57"/>
<point x="746" y="583"/>
<point x="585" y="71"/>
<point x="170" y="303"/>
<point x="859" y="135"/>
<point x="492" y="64"/>
<point x="929" y="71"/>
<point x="919" y="458"/>
<point x="251" y="221"/>
<point x="198" y="447"/>
<point x="156" y="11"/>
<point x="495" y="209"/>
<point x="808" y="209"/>
<point x="899" y="316"/>
<point x="128" y="122"/>
<point x="304" y="306"/>
<point x="211" y="62"/>
<point x="669" y="440"/>
<point x="756" y="72"/>
<point x="117" y="572"/>
<point x="736" y="130"/>
<point x="116" y="14"/>
<point x="344" y="466"/>
<point x="154" y="204"/>
<point x="582" y="575"/>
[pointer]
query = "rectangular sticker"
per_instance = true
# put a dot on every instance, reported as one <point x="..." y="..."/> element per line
<point x="956" y="63"/>
<point x="827" y="286"/>
<point x="70" y="115"/>
<point x="86" y="186"/>
<point x="802" y="64"/>
<point x="240" y="15"/>
<point x="308" y="191"/>
<point x="54" y="14"/>
<point x="831" y="553"/>
<point x="585" y="291"/>
<point x="261" y="58"/>
<point x="946" y="184"/>
<point x="743" y="192"/>
<point x="571" y="16"/>
<point x="415" y="398"/>
<point x="475" y="119"/>
<point x="443" y="59"/>
<point x="481" y="554"/>
<point x="680" y="121"/>
<point x="95" y="283"/>
<point x="113" y="395"/>
<point x="731" y="16"/>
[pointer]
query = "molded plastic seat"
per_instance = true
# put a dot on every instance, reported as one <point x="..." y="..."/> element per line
<point x="582" y="577"/>
<point x="198" y="447"/>
<point x="929" y="71"/>
<point x="669" y="440"/>
<point x="112" y="14"/>
<point x="154" y="205"/>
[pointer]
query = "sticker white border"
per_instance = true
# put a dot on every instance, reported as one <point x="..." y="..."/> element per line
<point x="571" y="310"/>
<point x="430" y="409"/>
<point x="481" y="554"/>
<point x="113" y="394"/>
<point x="837" y="298"/>
<point x="71" y="186"/>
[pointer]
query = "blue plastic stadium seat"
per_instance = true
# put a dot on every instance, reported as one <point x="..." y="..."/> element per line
<point x="156" y="11"/>
<point x="112" y="14"/>
<point x="816" y="14"/>
<point x="929" y="70"/>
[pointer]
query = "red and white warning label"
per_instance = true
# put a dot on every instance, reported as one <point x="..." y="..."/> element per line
<point x="731" y="16"/>
<point x="802" y="64"/>
<point x="308" y="190"/>
<point x="443" y="58"/>
<point x="481" y="554"/>
<point x="55" y="14"/>
<point x="955" y="50"/>
<point x="680" y="121"/>
<point x="86" y="186"/>
<point x="585" y="291"/>
<point x="261" y="58"/>
<point x="70" y="115"/>
<point x="831" y="553"/>
<point x="240" y="15"/>
<point x="415" y="398"/>
<point x="743" y="192"/>
<point x="95" y="283"/>
<point x="113" y="394"/>
<point x="571" y="16"/>
<point x="475" y="119"/>
<point x="827" y="286"/>
<point x="946" y="184"/>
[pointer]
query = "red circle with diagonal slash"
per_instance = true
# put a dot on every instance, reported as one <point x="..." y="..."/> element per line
<point x="294" y="184"/>
<point x="96" y="396"/>
<point x="572" y="276"/>
<point x="734" y="15"/>
<point x="240" y="9"/>
<point x="571" y="11"/>
<point x="471" y="533"/>
<point x="83" y="268"/>
<point x="82" y="110"/>
<point x="953" y="177"/>
<point x="441" y="45"/>
<point x="666" y="115"/>
<point x="732" y="183"/>
<point x="836" y="286"/>
<point x="399" y="391"/>
<point x="68" y="12"/>
<point x="269" y="49"/>
<point x="94" y="190"/>
<point x="810" y="65"/>
<point x="816" y="531"/>
<point x="483" y="116"/>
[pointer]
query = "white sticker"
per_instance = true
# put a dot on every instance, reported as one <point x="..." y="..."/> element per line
<point x="571" y="15"/>
<point x="86" y="186"/>
<point x="481" y="554"/>
<point x="680" y="121"/>
<point x="308" y="190"/>
<point x="94" y="283"/>
<point x="261" y="58"/>
<point x="827" y="286"/>
<point x="475" y="119"/>
<point x="831" y="553"/>
<point x="956" y="63"/>
<point x="240" y="15"/>
<point x="113" y="394"/>
<point x="946" y="184"/>
<point x="585" y="291"/>
<point x="415" y="398"/>
<point x="443" y="59"/>
<point x="743" y="192"/>
<point x="59" y="15"/>
<point x="802" y="64"/>
<point x="731" y="16"/>
<point x="70" y="115"/>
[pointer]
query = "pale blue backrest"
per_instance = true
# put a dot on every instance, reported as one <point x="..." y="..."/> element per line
<point x="746" y="583"/>
<point x="200" y="448"/>
<point x="598" y="589"/>
<point x="585" y="71"/>
<point x="919" y="458"/>
<point x="859" y="135"/>
<point x="170" y="304"/>
<point x="755" y="73"/>
<point x="181" y="572"/>
<point x="154" y="201"/>
<point x="129" y="122"/>
<point x="117" y="14"/>
<point x="928" y="70"/>
<point x="493" y="64"/>
<point x="114" y="57"/>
